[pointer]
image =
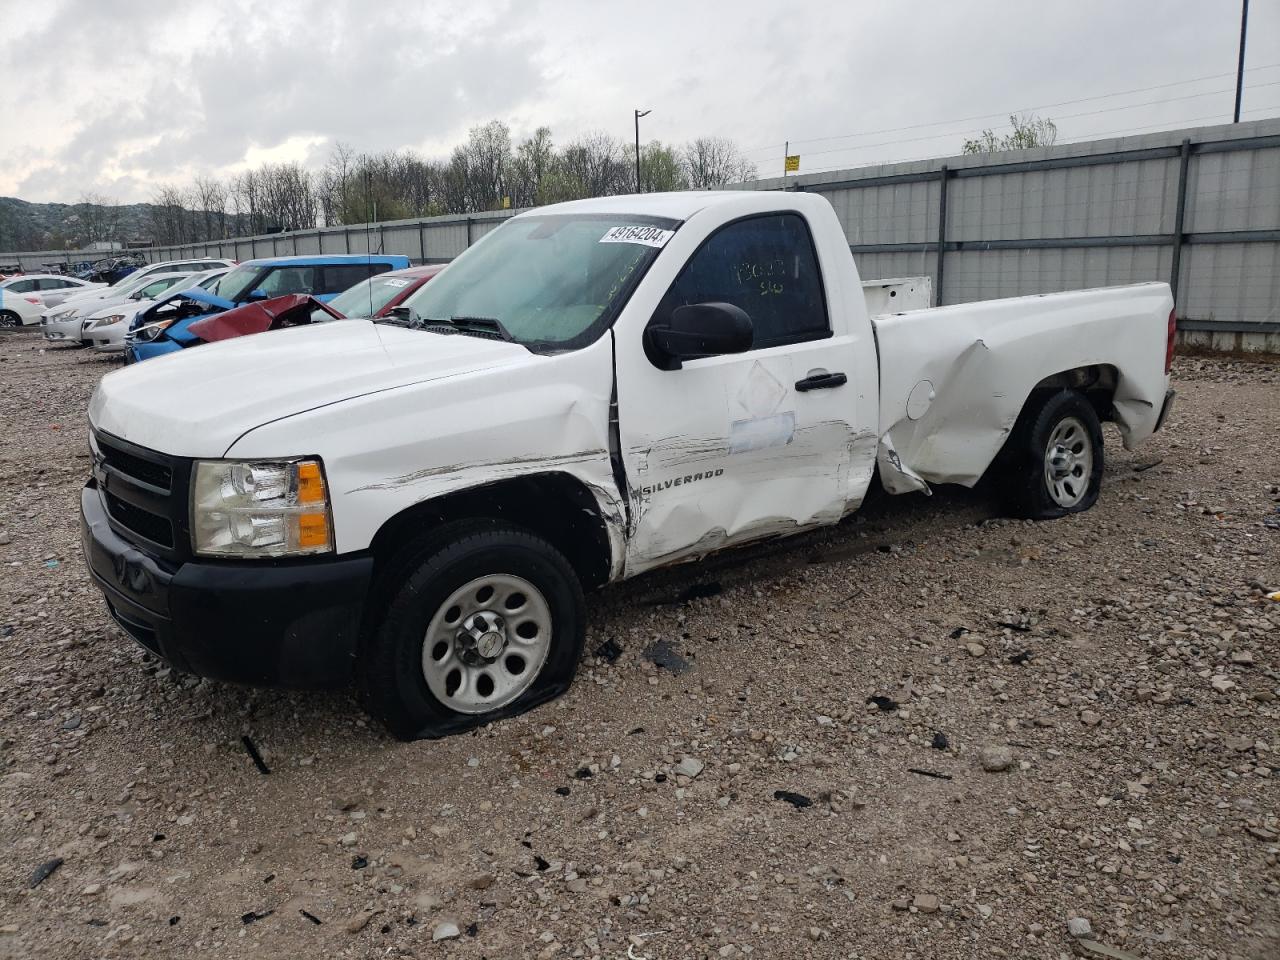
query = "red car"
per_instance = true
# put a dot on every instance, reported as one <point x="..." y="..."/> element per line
<point x="375" y="297"/>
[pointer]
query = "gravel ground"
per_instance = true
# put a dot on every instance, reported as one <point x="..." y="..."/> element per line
<point x="744" y="794"/>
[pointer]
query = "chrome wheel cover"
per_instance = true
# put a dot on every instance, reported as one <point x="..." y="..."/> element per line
<point x="1068" y="462"/>
<point x="487" y="643"/>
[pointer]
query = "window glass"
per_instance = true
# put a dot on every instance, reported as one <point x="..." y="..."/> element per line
<point x="765" y="265"/>
<point x="284" y="280"/>
<point x="22" y="286"/>
<point x="51" y="283"/>
<point x="366" y="298"/>
<point x="342" y="277"/>
<point x="155" y="288"/>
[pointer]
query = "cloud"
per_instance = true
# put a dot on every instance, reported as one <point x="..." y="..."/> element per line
<point x="117" y="97"/>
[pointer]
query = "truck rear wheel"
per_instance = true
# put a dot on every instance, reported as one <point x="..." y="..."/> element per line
<point x="1054" y="460"/>
<point x="482" y="621"/>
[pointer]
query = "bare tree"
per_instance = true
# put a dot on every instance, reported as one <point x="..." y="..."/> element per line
<point x="594" y="165"/>
<point x="1029" y="131"/>
<point x="533" y="161"/>
<point x="169" y="214"/>
<point x="713" y="161"/>
<point x="210" y="198"/>
<point x="488" y="167"/>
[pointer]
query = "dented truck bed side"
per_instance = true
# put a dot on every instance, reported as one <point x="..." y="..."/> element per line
<point x="953" y="379"/>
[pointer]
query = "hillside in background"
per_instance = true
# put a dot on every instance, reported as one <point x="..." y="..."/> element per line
<point x="61" y="226"/>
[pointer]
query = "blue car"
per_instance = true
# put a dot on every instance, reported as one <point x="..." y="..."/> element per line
<point x="162" y="328"/>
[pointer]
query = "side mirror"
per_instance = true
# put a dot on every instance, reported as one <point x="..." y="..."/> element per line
<point x="401" y="313"/>
<point x="698" y="330"/>
<point x="256" y="294"/>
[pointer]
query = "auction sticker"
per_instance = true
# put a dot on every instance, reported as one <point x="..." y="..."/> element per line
<point x="395" y="282"/>
<point x="648" y="236"/>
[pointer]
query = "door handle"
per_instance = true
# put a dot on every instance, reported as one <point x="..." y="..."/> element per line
<point x="821" y="381"/>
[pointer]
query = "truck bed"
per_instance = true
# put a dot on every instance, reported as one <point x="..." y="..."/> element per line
<point x="953" y="379"/>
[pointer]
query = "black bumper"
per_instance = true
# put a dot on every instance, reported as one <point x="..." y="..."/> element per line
<point x="267" y="624"/>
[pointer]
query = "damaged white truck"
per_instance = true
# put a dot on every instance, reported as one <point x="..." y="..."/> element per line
<point x="593" y="390"/>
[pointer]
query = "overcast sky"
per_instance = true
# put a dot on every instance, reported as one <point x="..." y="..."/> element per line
<point x="115" y="97"/>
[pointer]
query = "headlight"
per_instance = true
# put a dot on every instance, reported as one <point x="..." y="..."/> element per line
<point x="260" y="509"/>
<point x="63" y="314"/>
<point x="103" y="322"/>
<point x="150" y="331"/>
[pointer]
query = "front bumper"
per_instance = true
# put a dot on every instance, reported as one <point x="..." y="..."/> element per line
<point x="267" y="623"/>
<point x="61" y="331"/>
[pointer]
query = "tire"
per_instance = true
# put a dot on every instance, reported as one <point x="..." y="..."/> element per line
<point x="424" y="662"/>
<point x="1053" y="460"/>
<point x="9" y="319"/>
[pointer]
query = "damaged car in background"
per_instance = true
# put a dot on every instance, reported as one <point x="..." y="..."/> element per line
<point x="165" y="328"/>
<point x="594" y="390"/>
<point x="377" y="296"/>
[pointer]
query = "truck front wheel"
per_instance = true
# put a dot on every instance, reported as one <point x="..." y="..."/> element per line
<point x="481" y="621"/>
<point x="1054" y="457"/>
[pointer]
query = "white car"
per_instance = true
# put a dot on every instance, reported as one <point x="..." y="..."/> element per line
<point x="105" y="329"/>
<point x="114" y="291"/>
<point x="119" y="313"/>
<point x="63" y="323"/>
<point x="23" y="299"/>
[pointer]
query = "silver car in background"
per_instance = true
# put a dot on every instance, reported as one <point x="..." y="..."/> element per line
<point x="63" y="324"/>
<point x="105" y="329"/>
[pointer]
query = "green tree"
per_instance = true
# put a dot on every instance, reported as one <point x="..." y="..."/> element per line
<point x="661" y="169"/>
<point x="1029" y="131"/>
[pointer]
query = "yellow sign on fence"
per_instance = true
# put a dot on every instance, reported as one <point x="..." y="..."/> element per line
<point x="506" y="203"/>
<point x="793" y="163"/>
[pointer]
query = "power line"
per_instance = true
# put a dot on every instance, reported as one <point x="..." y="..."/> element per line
<point x="1005" y="113"/>
<point x="1170" y="124"/>
<point x="1071" y="116"/>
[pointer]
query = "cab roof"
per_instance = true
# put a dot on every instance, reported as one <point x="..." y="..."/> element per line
<point x="674" y="206"/>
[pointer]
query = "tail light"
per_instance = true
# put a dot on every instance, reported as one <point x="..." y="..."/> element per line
<point x="1173" y="334"/>
<point x="36" y="300"/>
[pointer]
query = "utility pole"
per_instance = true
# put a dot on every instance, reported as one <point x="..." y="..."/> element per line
<point x="1244" y="26"/>
<point x="639" y="114"/>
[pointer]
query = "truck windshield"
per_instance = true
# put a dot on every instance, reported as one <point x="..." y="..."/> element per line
<point x="553" y="282"/>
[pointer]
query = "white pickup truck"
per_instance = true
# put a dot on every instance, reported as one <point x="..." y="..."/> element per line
<point x="593" y="390"/>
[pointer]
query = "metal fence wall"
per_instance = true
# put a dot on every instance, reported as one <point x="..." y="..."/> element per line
<point x="1199" y="208"/>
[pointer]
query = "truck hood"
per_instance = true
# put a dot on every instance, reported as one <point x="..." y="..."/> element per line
<point x="198" y="402"/>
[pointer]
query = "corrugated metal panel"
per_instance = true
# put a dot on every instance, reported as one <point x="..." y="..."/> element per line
<point x="1238" y="282"/>
<point x="1234" y="191"/>
<point x="895" y="213"/>
<point x="991" y="274"/>
<point x="1111" y="200"/>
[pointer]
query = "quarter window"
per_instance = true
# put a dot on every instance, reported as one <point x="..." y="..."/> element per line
<point x="765" y="265"/>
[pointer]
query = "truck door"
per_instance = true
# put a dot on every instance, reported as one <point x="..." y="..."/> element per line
<point x="737" y="447"/>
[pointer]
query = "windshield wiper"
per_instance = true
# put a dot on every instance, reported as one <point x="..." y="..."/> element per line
<point x="488" y="327"/>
